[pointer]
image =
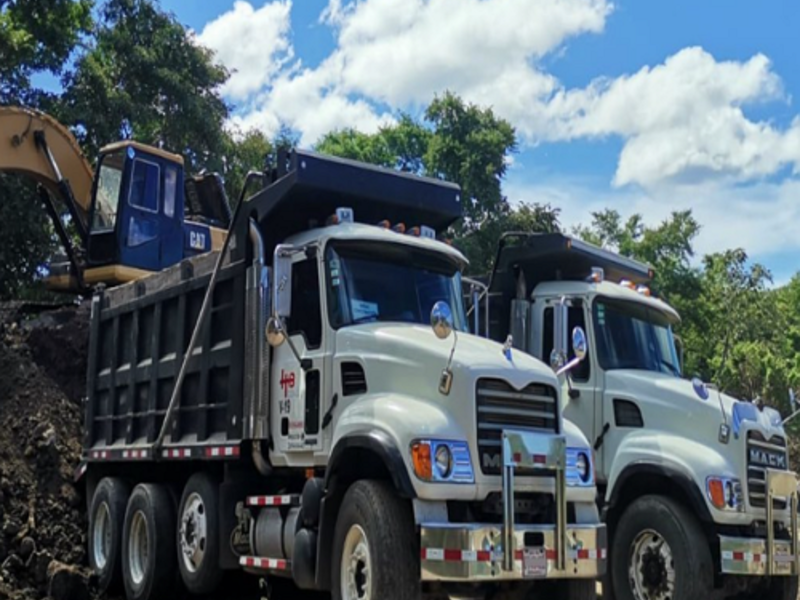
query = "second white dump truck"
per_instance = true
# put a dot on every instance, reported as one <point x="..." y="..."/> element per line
<point x="694" y="485"/>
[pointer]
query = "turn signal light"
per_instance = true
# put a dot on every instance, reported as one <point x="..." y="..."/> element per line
<point x="716" y="493"/>
<point x="421" y="455"/>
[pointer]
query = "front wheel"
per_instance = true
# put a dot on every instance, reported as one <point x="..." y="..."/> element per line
<point x="659" y="552"/>
<point x="375" y="554"/>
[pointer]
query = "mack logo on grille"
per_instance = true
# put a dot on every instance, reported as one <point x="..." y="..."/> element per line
<point x="491" y="461"/>
<point x="764" y="458"/>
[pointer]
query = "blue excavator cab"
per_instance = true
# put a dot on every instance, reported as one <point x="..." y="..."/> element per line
<point x="145" y="216"/>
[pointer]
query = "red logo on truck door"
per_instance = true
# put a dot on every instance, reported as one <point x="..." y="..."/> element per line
<point x="287" y="382"/>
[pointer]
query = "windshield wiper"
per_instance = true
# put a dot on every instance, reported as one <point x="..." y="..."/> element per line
<point x="364" y="319"/>
<point x="675" y="370"/>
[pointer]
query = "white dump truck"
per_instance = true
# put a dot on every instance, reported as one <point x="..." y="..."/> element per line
<point x="309" y="404"/>
<point x="695" y="485"/>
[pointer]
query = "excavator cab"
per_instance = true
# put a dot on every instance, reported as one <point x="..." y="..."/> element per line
<point x="138" y="214"/>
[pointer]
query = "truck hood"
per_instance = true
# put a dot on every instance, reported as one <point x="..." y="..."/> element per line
<point x="416" y="350"/>
<point x="671" y="394"/>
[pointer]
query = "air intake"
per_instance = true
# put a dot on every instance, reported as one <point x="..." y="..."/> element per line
<point x="354" y="381"/>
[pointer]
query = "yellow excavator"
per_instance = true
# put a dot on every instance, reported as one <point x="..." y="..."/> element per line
<point x="134" y="215"/>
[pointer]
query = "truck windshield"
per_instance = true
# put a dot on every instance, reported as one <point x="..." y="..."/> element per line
<point x="634" y="336"/>
<point x="369" y="281"/>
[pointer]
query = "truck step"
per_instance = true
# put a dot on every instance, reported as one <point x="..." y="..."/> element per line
<point x="265" y="564"/>
<point x="285" y="500"/>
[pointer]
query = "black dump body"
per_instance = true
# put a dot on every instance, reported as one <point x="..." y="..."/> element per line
<point x="549" y="257"/>
<point x="141" y="331"/>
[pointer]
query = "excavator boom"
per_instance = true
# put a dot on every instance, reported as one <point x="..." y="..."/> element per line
<point x="20" y="152"/>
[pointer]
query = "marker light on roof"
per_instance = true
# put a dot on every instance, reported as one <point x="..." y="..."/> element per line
<point x="427" y="232"/>
<point x="643" y="290"/>
<point x="399" y="228"/>
<point x="385" y="224"/>
<point x="628" y="284"/>
<point x="597" y="276"/>
<point x="342" y="215"/>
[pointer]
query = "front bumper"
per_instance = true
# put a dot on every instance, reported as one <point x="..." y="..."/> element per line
<point x="482" y="552"/>
<point x="767" y="557"/>
<point x="474" y="552"/>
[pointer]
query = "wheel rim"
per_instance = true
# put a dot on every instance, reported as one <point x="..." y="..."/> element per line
<point x="356" y="566"/>
<point x="193" y="532"/>
<point x="651" y="568"/>
<point x="101" y="536"/>
<point x="138" y="548"/>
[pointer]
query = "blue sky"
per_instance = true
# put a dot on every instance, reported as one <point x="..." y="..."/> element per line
<point x="639" y="105"/>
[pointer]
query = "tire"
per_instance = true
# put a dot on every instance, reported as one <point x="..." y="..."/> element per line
<point x="375" y="529"/>
<point x="148" y="549"/>
<point x="649" y="526"/>
<point x="106" y="521"/>
<point x="197" y="535"/>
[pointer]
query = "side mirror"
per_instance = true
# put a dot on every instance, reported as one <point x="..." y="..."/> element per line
<point x="442" y="320"/>
<point x="276" y="334"/>
<point x="558" y="357"/>
<point x="580" y="346"/>
<point x="282" y="282"/>
<point x="792" y="400"/>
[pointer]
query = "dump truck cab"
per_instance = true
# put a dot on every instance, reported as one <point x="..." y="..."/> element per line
<point x="664" y="445"/>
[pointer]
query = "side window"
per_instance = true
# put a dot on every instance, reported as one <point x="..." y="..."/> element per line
<point x="170" y="185"/>
<point x="575" y="318"/>
<point x="306" y="316"/>
<point x="144" y="185"/>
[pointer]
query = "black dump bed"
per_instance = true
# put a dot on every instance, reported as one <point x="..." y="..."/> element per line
<point x="549" y="257"/>
<point x="141" y="331"/>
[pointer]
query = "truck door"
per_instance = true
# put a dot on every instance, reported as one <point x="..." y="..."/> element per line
<point x="582" y="410"/>
<point x="297" y="394"/>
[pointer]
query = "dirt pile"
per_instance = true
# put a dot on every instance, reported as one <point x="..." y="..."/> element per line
<point x="42" y="516"/>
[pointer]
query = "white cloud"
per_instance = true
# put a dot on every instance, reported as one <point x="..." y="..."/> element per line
<point x="681" y="120"/>
<point x="253" y="44"/>
<point x="760" y="218"/>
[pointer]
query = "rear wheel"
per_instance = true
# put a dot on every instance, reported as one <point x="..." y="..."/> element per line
<point x="198" y="535"/>
<point x="659" y="552"/>
<point x="148" y="549"/>
<point x="106" y="519"/>
<point x="375" y="549"/>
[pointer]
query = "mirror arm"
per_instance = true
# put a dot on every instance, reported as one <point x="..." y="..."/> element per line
<point x="790" y="417"/>
<point x="569" y="366"/>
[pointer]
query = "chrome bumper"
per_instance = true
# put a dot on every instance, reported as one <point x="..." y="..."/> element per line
<point x="481" y="552"/>
<point x="770" y="557"/>
<point x="474" y="552"/>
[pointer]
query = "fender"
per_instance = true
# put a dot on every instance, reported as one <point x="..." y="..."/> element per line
<point x="381" y="444"/>
<point x="673" y="474"/>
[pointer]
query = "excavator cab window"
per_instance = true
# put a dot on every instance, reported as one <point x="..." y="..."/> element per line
<point x="109" y="184"/>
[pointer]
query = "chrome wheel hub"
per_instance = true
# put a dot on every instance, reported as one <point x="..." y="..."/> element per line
<point x="356" y="578"/>
<point x="138" y="548"/>
<point x="193" y="532"/>
<point x="651" y="568"/>
<point x="101" y="536"/>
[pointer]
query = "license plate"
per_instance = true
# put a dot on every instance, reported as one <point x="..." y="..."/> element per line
<point x="534" y="563"/>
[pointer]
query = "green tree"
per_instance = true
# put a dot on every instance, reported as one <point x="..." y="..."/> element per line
<point x="145" y="78"/>
<point x="37" y="36"/>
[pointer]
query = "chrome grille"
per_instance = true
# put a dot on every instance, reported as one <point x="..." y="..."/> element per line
<point x="760" y="451"/>
<point x="500" y="406"/>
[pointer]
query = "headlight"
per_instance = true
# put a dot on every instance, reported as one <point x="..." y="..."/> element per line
<point x="725" y="493"/>
<point x="442" y="461"/>
<point x="580" y="469"/>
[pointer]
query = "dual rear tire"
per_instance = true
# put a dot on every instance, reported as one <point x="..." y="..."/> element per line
<point x="138" y="538"/>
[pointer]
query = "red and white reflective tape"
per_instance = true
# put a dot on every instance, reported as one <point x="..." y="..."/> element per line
<point x="286" y="500"/>
<point x="177" y="453"/>
<point x="222" y="451"/>
<point x="269" y="564"/>
<point x="472" y="556"/>
<point x="101" y="454"/>
<point x="134" y="454"/>
<point x="754" y="557"/>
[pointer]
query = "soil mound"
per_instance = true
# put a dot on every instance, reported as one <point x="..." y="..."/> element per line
<point x="42" y="516"/>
